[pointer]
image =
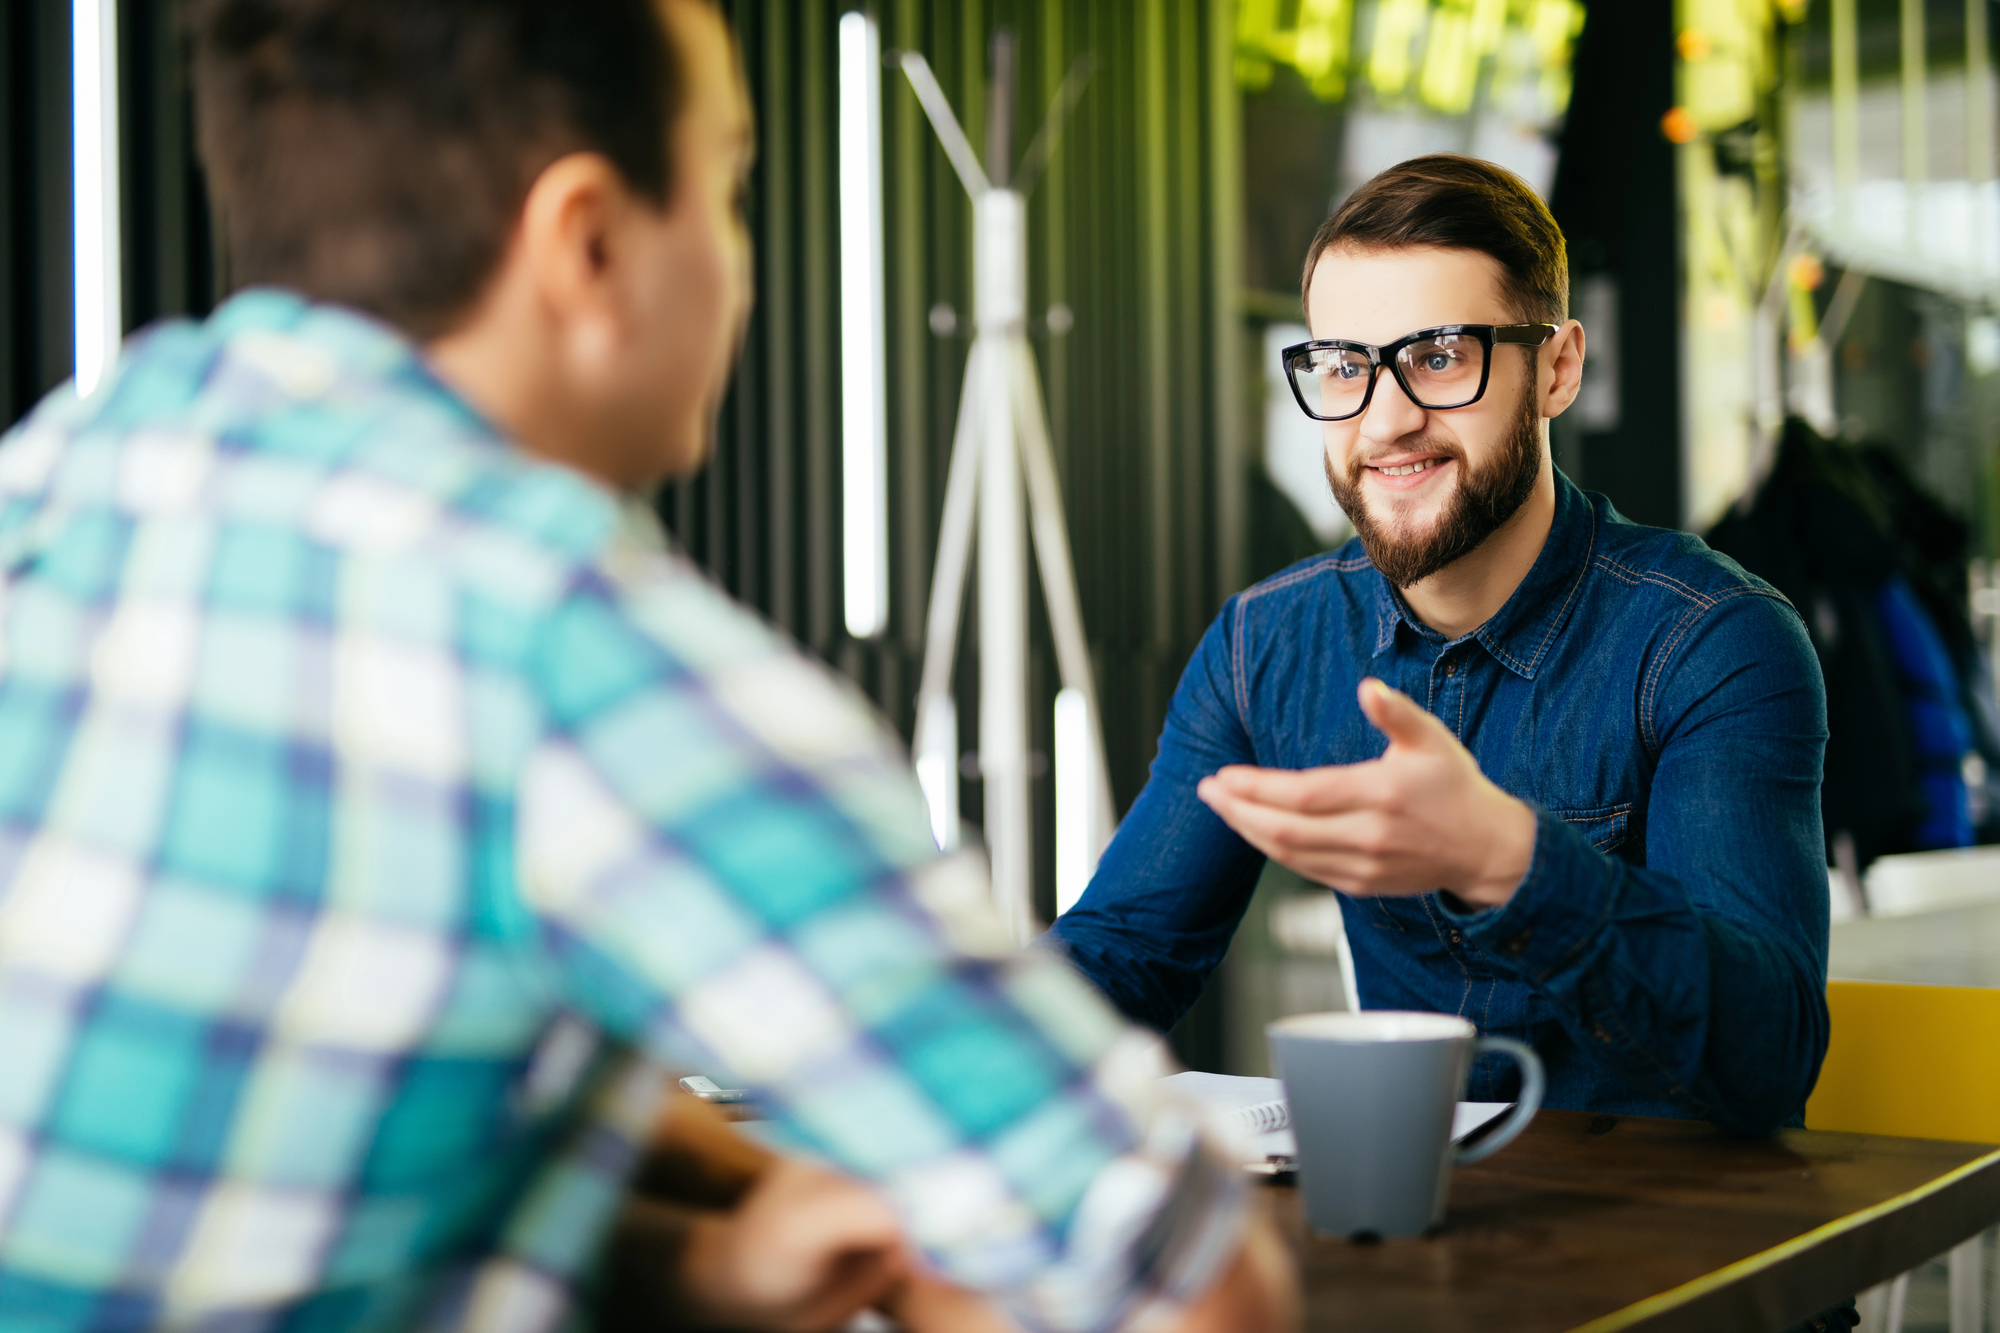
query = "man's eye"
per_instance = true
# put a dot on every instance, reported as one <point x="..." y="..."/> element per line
<point x="1436" y="362"/>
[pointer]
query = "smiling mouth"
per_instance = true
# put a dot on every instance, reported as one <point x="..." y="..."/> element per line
<point x="1406" y="469"/>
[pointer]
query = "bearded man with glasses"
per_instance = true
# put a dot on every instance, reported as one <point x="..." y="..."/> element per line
<point x="1561" y="769"/>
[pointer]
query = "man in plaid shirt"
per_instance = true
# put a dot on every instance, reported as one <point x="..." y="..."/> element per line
<point x="383" y="807"/>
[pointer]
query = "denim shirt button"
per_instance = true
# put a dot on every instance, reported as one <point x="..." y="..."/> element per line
<point x="1598" y="1032"/>
<point x="1456" y="937"/>
<point x="1451" y="667"/>
<point x="1515" y="945"/>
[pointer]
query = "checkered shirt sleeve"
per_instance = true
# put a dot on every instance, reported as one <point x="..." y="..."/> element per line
<point x="735" y="870"/>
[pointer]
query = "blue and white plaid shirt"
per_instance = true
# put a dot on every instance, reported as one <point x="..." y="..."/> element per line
<point x="382" y="811"/>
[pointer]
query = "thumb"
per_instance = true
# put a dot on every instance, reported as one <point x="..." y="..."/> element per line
<point x="1396" y="715"/>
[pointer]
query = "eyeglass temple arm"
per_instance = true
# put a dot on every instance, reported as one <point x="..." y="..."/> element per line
<point x="1529" y="335"/>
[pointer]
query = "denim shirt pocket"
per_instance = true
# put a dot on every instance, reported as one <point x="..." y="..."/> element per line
<point x="1604" y="827"/>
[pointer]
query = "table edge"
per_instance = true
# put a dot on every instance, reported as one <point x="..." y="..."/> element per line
<point x="1729" y="1274"/>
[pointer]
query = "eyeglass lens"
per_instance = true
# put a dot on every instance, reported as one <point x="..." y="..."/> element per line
<point x="1443" y="371"/>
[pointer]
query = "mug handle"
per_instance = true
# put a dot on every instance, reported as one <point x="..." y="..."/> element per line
<point x="1532" y="1083"/>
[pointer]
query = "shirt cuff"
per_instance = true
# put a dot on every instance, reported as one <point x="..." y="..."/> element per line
<point x="1562" y="902"/>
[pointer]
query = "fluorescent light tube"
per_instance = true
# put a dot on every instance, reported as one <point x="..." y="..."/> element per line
<point x="1076" y="852"/>
<point x="863" y="392"/>
<point x="94" y="145"/>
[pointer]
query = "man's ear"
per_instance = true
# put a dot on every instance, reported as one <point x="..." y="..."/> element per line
<point x="569" y="244"/>
<point x="1564" y="354"/>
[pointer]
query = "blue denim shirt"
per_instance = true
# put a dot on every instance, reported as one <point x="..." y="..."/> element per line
<point x="1662" y="710"/>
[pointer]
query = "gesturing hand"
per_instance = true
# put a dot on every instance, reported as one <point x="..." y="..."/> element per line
<point x="1421" y="817"/>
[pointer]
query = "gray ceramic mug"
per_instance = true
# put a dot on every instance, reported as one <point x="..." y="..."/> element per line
<point x="1371" y="1097"/>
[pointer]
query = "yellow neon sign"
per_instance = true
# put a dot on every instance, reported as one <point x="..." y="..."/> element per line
<point x="1433" y="53"/>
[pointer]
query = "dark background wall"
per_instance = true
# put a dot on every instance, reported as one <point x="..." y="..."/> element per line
<point x="171" y="265"/>
<point x="169" y="262"/>
<point x="1614" y="197"/>
<point x="35" y="303"/>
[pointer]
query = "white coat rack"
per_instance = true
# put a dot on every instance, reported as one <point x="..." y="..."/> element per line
<point x="1000" y="442"/>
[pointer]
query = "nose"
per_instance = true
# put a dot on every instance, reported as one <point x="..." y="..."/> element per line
<point x="1391" y="414"/>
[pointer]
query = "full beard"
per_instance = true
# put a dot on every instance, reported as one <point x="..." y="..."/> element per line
<point x="1481" y="502"/>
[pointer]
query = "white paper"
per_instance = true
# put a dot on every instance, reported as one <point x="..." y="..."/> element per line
<point x="1225" y="1093"/>
<point x="1469" y="1116"/>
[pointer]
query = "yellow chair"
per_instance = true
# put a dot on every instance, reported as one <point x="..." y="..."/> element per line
<point x="1916" y="1062"/>
<point x="1912" y="1061"/>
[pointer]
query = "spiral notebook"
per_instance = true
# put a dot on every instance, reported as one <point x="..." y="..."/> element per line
<point x="1255" y="1108"/>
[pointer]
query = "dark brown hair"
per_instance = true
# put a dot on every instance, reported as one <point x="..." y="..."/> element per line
<point x="1460" y="203"/>
<point x="376" y="153"/>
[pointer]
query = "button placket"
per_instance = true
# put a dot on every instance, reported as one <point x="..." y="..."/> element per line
<point x="1447" y="688"/>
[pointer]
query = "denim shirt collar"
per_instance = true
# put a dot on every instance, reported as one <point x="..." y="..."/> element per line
<point x="1519" y="634"/>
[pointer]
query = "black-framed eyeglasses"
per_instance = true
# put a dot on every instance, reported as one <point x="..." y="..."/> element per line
<point x="1439" y="368"/>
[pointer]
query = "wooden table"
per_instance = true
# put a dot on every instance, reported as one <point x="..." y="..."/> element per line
<point x="1601" y="1223"/>
<point x="1948" y="946"/>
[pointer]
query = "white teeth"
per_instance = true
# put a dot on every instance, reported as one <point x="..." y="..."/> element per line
<point x="1408" y="468"/>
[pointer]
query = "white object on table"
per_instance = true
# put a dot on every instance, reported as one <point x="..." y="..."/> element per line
<point x="1253" y="1118"/>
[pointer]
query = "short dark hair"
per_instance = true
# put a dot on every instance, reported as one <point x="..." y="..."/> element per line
<point x="1460" y="203"/>
<point x="376" y="153"/>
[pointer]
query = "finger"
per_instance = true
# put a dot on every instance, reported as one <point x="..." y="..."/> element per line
<point x="1357" y="851"/>
<point x="1252" y="822"/>
<point x="855" y="1218"/>
<point x="1326" y="790"/>
<point x="824" y="1202"/>
<point x="928" y="1304"/>
<point x="857" y="1283"/>
<point x="1270" y="827"/>
<point x="1398" y="716"/>
<point x="1356" y="874"/>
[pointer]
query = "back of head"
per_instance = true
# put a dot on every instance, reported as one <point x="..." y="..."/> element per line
<point x="376" y="153"/>
<point x="1459" y="203"/>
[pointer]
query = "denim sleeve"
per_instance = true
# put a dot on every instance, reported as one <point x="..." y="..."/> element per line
<point x="1701" y="973"/>
<point x="1170" y="889"/>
